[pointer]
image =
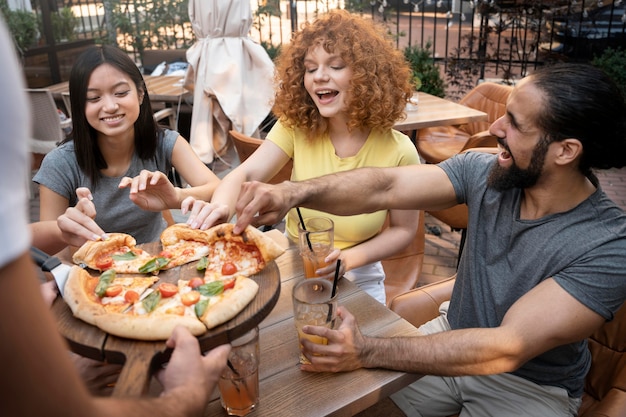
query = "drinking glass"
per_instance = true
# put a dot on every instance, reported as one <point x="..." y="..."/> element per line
<point x="313" y="304"/>
<point x="316" y="241"/>
<point x="239" y="383"/>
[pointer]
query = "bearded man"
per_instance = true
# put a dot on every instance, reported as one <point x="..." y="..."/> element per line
<point x="543" y="264"/>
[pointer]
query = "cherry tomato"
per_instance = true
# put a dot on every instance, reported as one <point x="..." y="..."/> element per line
<point x="196" y="282"/>
<point x="167" y="289"/>
<point x="166" y="254"/>
<point x="113" y="290"/>
<point x="104" y="262"/>
<point x="229" y="283"/>
<point x="190" y="298"/>
<point x="229" y="268"/>
<point x="131" y="296"/>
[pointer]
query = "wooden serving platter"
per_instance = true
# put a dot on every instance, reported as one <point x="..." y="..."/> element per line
<point x="142" y="358"/>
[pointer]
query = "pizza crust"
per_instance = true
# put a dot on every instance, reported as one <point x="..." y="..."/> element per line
<point x="231" y="303"/>
<point x="152" y="326"/>
<point x="181" y="231"/>
<point x="89" y="252"/>
<point x="76" y="297"/>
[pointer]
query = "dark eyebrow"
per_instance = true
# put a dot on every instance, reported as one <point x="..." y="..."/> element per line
<point x="119" y="84"/>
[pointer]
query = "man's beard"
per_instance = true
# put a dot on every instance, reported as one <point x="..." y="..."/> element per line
<point x="502" y="179"/>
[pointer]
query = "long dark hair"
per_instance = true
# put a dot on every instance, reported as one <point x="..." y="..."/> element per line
<point x="582" y="102"/>
<point x="88" y="154"/>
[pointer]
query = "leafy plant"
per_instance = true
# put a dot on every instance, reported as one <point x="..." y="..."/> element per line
<point x="22" y="25"/>
<point x="613" y="62"/>
<point x="151" y="24"/>
<point x="271" y="49"/>
<point x="426" y="73"/>
<point x="63" y="24"/>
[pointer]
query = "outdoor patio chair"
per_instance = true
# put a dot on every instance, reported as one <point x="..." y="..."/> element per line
<point x="47" y="128"/>
<point x="436" y="144"/>
<point x="403" y="270"/>
<point x="246" y="145"/>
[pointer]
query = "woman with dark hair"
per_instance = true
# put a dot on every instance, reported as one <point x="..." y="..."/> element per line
<point x="341" y="87"/>
<point x="111" y="175"/>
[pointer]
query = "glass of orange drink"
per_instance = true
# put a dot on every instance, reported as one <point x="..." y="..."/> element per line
<point x="313" y="304"/>
<point x="316" y="241"/>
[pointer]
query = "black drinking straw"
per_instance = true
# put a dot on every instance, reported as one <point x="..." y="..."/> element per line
<point x="308" y="240"/>
<point x="337" y="268"/>
<point x="334" y="290"/>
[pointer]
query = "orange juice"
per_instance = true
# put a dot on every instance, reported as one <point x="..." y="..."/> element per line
<point x="239" y="395"/>
<point x="314" y="260"/>
<point x="313" y="338"/>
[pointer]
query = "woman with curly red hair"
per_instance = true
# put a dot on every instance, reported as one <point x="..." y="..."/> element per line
<point x="341" y="87"/>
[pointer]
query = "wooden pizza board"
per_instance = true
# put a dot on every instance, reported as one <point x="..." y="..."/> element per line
<point x="142" y="358"/>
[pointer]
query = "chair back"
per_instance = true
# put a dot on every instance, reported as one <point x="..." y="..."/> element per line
<point x="403" y="270"/>
<point x="246" y="145"/>
<point x="487" y="97"/>
<point x="422" y="303"/>
<point x="46" y="125"/>
<point x="605" y="384"/>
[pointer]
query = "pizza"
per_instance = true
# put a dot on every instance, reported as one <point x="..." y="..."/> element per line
<point x="89" y="296"/>
<point x="246" y="253"/>
<point x="117" y="252"/>
<point x="182" y="244"/>
<point x="126" y="298"/>
<point x="141" y="307"/>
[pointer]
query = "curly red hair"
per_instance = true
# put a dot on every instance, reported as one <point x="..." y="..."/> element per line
<point x="380" y="85"/>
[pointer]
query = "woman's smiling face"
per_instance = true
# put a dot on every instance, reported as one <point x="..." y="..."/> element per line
<point x="327" y="80"/>
<point x="113" y="101"/>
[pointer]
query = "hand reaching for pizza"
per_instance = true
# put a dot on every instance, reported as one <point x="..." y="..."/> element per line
<point x="203" y="215"/>
<point x="187" y="368"/>
<point x="76" y="224"/>
<point x="261" y="203"/>
<point x="151" y="191"/>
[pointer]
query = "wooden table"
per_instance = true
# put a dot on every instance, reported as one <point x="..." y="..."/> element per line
<point x="435" y="111"/>
<point x="287" y="391"/>
<point x="166" y="89"/>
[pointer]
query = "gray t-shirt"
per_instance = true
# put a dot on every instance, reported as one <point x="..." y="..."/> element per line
<point x="582" y="249"/>
<point x="115" y="211"/>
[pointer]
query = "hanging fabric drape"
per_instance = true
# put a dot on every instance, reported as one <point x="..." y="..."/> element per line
<point x="232" y="75"/>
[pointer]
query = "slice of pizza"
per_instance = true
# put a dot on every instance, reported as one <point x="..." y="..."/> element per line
<point x="89" y="297"/>
<point x="182" y="244"/>
<point x="118" y="252"/>
<point x="243" y="254"/>
<point x="154" y="317"/>
<point x="218" y="301"/>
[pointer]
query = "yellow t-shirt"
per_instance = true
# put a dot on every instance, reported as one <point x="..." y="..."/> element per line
<point x="316" y="158"/>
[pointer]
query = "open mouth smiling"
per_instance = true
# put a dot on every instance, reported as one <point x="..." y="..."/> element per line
<point x="112" y="118"/>
<point x="326" y="94"/>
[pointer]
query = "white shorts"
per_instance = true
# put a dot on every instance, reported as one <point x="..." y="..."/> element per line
<point x="371" y="279"/>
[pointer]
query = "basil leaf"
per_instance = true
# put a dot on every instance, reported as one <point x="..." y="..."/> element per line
<point x="154" y="264"/>
<point x="200" y="307"/>
<point x="211" y="289"/>
<point x="104" y="281"/>
<point x="151" y="301"/>
<point x="124" y="256"/>
<point x="202" y="263"/>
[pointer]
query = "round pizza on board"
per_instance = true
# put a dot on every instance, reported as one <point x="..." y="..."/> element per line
<point x="141" y="306"/>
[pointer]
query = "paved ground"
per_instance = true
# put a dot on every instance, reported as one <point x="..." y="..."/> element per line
<point x="440" y="251"/>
